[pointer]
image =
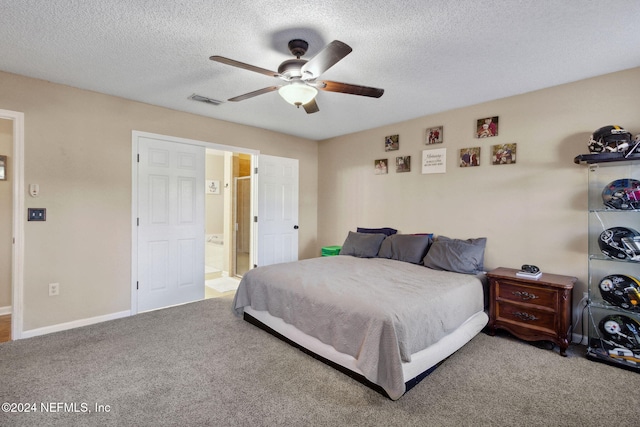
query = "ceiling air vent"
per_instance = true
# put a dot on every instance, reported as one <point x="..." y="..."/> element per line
<point x="205" y="99"/>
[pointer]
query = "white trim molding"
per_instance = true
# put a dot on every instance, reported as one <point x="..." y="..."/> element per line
<point x="74" y="324"/>
<point x="17" y="173"/>
<point x="5" y="310"/>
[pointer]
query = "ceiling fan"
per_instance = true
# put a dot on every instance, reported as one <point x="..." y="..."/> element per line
<point x="301" y="75"/>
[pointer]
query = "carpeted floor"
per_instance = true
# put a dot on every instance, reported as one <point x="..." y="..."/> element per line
<point x="198" y="365"/>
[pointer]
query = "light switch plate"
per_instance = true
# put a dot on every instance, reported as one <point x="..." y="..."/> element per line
<point x="36" y="214"/>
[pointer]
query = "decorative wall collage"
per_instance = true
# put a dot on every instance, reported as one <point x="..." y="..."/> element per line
<point x="434" y="160"/>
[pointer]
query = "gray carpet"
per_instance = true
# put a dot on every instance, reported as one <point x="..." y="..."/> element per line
<point x="198" y="365"/>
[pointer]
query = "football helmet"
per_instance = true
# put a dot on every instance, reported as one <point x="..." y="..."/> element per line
<point x="620" y="243"/>
<point x="622" y="194"/>
<point x="622" y="331"/>
<point x="610" y="139"/>
<point x="621" y="290"/>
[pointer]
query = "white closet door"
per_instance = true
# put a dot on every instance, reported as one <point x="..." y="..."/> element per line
<point x="171" y="180"/>
<point x="277" y="210"/>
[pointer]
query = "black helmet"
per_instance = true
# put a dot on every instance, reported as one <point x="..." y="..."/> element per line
<point x="621" y="290"/>
<point x="623" y="194"/>
<point x="622" y="331"/>
<point x="620" y="243"/>
<point x="610" y="139"/>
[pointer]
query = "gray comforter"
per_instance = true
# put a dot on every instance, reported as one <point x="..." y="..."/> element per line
<point x="379" y="311"/>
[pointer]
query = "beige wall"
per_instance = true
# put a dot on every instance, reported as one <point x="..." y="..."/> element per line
<point x="6" y="213"/>
<point x="214" y="203"/>
<point x="533" y="211"/>
<point x="78" y="149"/>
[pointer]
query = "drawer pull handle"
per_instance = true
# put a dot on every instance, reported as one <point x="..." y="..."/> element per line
<point x="525" y="316"/>
<point x="525" y="295"/>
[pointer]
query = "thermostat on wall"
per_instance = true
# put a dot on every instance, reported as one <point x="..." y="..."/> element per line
<point x="37" y="214"/>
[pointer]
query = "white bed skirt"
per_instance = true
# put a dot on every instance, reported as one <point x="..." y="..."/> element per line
<point x="420" y="361"/>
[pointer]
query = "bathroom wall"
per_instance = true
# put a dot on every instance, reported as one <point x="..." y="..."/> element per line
<point x="214" y="203"/>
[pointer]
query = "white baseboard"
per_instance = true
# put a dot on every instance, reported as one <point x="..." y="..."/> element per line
<point x="5" y="310"/>
<point x="578" y="339"/>
<point x="75" y="324"/>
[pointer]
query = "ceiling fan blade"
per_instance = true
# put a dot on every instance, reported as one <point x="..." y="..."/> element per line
<point x="325" y="59"/>
<point x="242" y="65"/>
<point x="311" y="107"/>
<point x="350" y="89"/>
<point x="254" y="93"/>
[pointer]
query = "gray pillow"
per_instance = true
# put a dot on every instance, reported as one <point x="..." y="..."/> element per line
<point x="405" y="247"/>
<point x="362" y="245"/>
<point x="460" y="256"/>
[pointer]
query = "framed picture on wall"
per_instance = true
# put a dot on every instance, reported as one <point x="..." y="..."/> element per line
<point x="503" y="154"/>
<point x="469" y="157"/>
<point x="391" y="142"/>
<point x="434" y="135"/>
<point x="434" y="161"/>
<point x="213" y="187"/>
<point x="381" y="167"/>
<point x="403" y="164"/>
<point x="487" y="127"/>
<point x="3" y="168"/>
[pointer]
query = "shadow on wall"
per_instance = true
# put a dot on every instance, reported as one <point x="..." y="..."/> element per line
<point x="573" y="146"/>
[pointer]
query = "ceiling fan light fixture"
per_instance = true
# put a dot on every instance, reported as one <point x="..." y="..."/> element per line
<point x="298" y="93"/>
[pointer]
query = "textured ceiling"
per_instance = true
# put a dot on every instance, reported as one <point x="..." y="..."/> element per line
<point x="428" y="55"/>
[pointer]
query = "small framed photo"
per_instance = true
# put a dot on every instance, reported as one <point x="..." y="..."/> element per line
<point x="434" y="135"/>
<point x="3" y="168"/>
<point x="487" y="127"/>
<point x="503" y="154"/>
<point x="391" y="142"/>
<point x="470" y="157"/>
<point x="403" y="164"/>
<point x="380" y="167"/>
<point x="213" y="187"/>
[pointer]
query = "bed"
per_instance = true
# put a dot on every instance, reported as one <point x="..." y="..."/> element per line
<point x="384" y="311"/>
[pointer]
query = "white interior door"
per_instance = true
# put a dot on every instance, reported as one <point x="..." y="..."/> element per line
<point x="277" y="210"/>
<point x="171" y="180"/>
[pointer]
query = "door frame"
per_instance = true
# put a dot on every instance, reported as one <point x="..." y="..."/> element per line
<point x="17" y="268"/>
<point x="235" y="216"/>
<point x="135" y="135"/>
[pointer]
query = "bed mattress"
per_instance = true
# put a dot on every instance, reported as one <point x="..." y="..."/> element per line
<point x="413" y="372"/>
<point x="380" y="313"/>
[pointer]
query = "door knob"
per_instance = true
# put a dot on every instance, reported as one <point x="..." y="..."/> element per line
<point x="295" y="227"/>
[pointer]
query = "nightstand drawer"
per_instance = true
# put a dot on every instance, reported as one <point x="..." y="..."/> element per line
<point x="528" y="317"/>
<point x="519" y="292"/>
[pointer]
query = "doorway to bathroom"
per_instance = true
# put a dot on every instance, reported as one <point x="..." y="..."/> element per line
<point x="164" y="265"/>
<point x="227" y="220"/>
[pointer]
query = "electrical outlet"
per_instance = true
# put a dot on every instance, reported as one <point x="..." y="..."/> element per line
<point x="54" y="289"/>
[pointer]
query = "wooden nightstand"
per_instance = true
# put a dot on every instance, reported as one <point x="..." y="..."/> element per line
<point x="533" y="310"/>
